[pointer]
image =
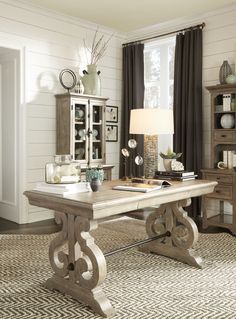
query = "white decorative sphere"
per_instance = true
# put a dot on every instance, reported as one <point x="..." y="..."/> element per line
<point x="227" y="121"/>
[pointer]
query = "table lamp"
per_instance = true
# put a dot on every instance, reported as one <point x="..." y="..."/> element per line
<point x="151" y="122"/>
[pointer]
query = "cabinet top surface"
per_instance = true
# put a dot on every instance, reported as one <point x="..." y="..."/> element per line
<point x="77" y="95"/>
<point x="221" y="87"/>
<point x="219" y="171"/>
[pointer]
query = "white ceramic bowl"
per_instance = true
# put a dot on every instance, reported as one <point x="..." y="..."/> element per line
<point x="227" y="121"/>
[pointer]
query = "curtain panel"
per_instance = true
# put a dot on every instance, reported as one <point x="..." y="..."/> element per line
<point x="188" y="103"/>
<point x="132" y="98"/>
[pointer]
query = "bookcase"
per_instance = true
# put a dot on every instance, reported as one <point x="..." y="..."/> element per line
<point x="219" y="207"/>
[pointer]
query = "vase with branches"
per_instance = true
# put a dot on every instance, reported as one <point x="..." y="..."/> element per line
<point x="91" y="79"/>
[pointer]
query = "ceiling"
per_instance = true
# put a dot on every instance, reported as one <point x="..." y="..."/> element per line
<point x="130" y="15"/>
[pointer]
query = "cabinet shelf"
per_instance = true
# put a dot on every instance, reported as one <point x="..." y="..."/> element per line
<point x="224" y="112"/>
<point x="225" y="220"/>
<point x="97" y="123"/>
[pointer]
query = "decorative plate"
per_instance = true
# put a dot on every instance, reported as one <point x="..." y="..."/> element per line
<point x="79" y="152"/>
<point x="79" y="114"/>
<point x="95" y="134"/>
<point x="82" y="134"/>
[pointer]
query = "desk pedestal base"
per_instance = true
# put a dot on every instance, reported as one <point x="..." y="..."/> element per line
<point x="184" y="233"/>
<point x="78" y="263"/>
<point x="80" y="266"/>
<point x="96" y="298"/>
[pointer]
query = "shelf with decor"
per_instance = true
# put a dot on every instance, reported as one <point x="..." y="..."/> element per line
<point x="219" y="207"/>
<point x="81" y="128"/>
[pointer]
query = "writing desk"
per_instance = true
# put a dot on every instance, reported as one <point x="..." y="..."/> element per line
<point x="81" y="270"/>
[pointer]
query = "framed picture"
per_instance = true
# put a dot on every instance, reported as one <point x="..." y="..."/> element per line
<point x="111" y="133"/>
<point x="112" y="113"/>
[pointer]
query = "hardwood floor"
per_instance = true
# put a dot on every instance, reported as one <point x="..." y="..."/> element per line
<point x="43" y="227"/>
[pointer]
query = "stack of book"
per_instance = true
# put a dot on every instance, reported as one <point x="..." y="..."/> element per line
<point x="175" y="175"/>
<point x="229" y="159"/>
<point x="63" y="189"/>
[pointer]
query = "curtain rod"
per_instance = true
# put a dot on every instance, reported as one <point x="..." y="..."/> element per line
<point x="202" y="25"/>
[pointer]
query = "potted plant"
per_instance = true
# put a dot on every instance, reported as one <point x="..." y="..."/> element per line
<point x="168" y="157"/>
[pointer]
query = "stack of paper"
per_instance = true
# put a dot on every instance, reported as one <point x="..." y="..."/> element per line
<point x="63" y="189"/>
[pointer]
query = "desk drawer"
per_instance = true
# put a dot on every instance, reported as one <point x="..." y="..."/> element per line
<point x="220" y="178"/>
<point x="222" y="192"/>
<point x="224" y="136"/>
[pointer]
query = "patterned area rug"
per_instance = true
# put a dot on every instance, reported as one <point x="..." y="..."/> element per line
<point x="139" y="285"/>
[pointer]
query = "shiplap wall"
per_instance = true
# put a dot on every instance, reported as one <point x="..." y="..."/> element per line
<point x="219" y="44"/>
<point x="52" y="42"/>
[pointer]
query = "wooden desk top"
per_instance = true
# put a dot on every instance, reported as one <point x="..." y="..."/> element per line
<point x="108" y="202"/>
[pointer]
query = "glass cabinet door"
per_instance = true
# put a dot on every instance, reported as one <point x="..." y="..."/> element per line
<point x="80" y="130"/>
<point x="88" y="131"/>
<point x="97" y="131"/>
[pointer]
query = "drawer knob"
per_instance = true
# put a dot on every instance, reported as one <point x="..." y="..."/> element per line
<point x="223" y="135"/>
<point x="218" y="191"/>
<point x="218" y="178"/>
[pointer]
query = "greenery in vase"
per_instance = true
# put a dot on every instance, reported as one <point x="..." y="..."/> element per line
<point x="98" y="48"/>
<point x="170" y="154"/>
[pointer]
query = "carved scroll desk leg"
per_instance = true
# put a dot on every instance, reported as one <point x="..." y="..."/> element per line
<point x="184" y="233"/>
<point x="80" y="269"/>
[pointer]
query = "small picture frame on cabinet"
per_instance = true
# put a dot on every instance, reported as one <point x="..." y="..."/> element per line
<point x="112" y="114"/>
<point x="111" y="133"/>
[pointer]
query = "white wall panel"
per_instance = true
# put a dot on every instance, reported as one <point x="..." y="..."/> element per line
<point x="53" y="42"/>
<point x="219" y="44"/>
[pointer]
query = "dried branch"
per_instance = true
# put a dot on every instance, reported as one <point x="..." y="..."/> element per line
<point x="98" y="48"/>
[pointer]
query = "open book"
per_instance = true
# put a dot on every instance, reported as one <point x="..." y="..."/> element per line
<point x="142" y="185"/>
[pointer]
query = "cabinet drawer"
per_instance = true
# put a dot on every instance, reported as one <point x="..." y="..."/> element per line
<point x="224" y="136"/>
<point x="222" y="192"/>
<point x="228" y="179"/>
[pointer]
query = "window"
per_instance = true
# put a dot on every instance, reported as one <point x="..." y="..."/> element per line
<point x="159" y="81"/>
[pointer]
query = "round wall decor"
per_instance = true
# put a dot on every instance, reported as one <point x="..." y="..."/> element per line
<point x="67" y="79"/>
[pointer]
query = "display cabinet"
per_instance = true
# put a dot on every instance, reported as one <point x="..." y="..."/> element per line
<point x="81" y="128"/>
<point x="219" y="208"/>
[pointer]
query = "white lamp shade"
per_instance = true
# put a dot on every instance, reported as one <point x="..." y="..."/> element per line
<point x="151" y="121"/>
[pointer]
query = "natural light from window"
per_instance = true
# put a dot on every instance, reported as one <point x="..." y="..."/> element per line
<point x="159" y="82"/>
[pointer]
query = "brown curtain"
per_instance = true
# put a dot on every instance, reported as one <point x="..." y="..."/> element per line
<point x="188" y="104"/>
<point x="132" y="98"/>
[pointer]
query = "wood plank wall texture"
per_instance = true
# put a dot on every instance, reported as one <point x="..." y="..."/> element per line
<point x="219" y="44"/>
<point x="53" y="42"/>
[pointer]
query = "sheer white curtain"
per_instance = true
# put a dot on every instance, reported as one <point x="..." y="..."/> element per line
<point x="159" y="82"/>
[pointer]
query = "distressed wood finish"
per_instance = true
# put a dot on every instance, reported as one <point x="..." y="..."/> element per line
<point x="184" y="234"/>
<point x="221" y="140"/>
<point x="80" y="270"/>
